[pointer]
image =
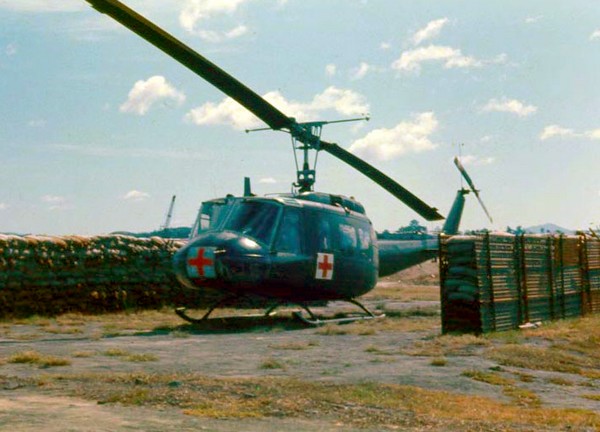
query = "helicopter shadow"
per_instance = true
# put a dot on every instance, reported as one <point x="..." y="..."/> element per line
<point x="231" y="325"/>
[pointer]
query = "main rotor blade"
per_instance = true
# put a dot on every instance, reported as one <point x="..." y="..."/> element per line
<point x="194" y="61"/>
<point x="383" y="180"/>
<point x="466" y="176"/>
<point x="233" y="88"/>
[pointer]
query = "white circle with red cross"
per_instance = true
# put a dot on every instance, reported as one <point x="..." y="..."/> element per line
<point x="324" y="266"/>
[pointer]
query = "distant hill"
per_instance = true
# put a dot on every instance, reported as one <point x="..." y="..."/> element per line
<point x="548" y="228"/>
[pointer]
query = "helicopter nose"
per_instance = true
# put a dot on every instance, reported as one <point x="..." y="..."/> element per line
<point x="216" y="258"/>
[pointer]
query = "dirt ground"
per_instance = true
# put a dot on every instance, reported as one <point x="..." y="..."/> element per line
<point x="56" y="374"/>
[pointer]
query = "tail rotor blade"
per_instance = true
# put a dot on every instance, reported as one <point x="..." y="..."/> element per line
<point x="469" y="181"/>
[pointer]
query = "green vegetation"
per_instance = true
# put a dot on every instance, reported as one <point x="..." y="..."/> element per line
<point x="36" y="358"/>
<point x="272" y="363"/>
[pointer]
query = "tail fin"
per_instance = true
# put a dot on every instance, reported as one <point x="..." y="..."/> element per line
<point x="453" y="220"/>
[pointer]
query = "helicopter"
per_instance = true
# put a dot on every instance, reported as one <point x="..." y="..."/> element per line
<point x="303" y="247"/>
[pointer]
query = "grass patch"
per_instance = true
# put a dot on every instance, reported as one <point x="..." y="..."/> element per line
<point x="569" y="329"/>
<point x="539" y="358"/>
<point x="488" y="377"/>
<point x="36" y="358"/>
<point x="139" y="358"/>
<point x="594" y="397"/>
<point x="515" y="337"/>
<point x="272" y="363"/>
<point x="293" y="346"/>
<point x="400" y="291"/>
<point x="522" y="397"/>
<point x="439" y="362"/>
<point x="83" y="354"/>
<point x="129" y="356"/>
<point x="116" y="352"/>
<point x="524" y="377"/>
<point x="382" y="325"/>
<point x="448" y="345"/>
<point x="561" y="381"/>
<point x="375" y="406"/>
<point x="379" y="351"/>
<point x="58" y="329"/>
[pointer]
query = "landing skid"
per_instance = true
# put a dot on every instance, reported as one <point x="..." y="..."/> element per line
<point x="181" y="311"/>
<point x="312" y="319"/>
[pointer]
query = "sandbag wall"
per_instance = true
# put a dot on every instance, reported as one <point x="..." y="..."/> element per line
<point x="500" y="281"/>
<point x="53" y="275"/>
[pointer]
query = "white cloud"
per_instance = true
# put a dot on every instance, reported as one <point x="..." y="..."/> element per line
<point x="36" y="123"/>
<point x="510" y="106"/>
<point x="11" y="49"/>
<point x="476" y="160"/>
<point x="451" y="57"/>
<point x="3" y="206"/>
<point x="533" y="19"/>
<point x="330" y="69"/>
<point x="361" y="71"/>
<point x="53" y="199"/>
<point x="552" y="131"/>
<point x="229" y="112"/>
<point x="406" y="137"/>
<point x="144" y="94"/>
<point x="385" y="45"/>
<point x="556" y="131"/>
<point x="593" y="134"/>
<point x="55" y="202"/>
<point x="195" y="11"/>
<point x="43" y="5"/>
<point x="430" y="31"/>
<point x="135" y="195"/>
<point x="595" y="35"/>
<point x="267" y="180"/>
<point x="216" y="36"/>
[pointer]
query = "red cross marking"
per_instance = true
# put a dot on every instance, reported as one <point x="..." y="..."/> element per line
<point x="200" y="262"/>
<point x="325" y="266"/>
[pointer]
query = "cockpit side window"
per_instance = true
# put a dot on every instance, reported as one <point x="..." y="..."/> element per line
<point x="348" y="239"/>
<point x="289" y="239"/>
<point x="324" y="239"/>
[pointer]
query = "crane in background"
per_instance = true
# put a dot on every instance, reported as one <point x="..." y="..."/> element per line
<point x="167" y="223"/>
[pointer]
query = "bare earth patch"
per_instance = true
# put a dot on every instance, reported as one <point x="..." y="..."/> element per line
<point x="149" y="371"/>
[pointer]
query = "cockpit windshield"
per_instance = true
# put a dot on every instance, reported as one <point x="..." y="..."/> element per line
<point x="256" y="219"/>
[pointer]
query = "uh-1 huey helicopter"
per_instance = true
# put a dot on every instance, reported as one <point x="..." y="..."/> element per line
<point x="300" y="248"/>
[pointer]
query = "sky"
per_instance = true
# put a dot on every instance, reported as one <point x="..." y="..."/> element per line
<point x="98" y="129"/>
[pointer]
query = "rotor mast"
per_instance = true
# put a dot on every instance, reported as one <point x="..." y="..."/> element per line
<point x="305" y="137"/>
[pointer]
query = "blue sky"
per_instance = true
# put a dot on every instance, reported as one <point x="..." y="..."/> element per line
<point x="98" y="128"/>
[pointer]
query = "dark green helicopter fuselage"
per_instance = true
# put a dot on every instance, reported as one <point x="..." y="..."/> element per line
<point x="285" y="248"/>
<point x="304" y="248"/>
